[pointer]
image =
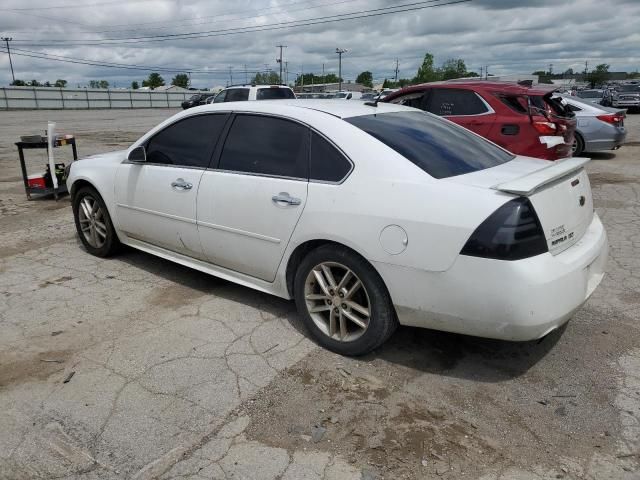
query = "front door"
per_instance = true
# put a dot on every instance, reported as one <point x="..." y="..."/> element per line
<point x="250" y="204"/>
<point x="156" y="199"/>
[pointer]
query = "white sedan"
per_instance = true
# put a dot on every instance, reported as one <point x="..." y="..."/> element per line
<point x="368" y="216"/>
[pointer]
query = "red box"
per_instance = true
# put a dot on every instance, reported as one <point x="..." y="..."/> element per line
<point x="36" y="181"/>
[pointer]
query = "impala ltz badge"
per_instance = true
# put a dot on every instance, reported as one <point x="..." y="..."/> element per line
<point x="582" y="200"/>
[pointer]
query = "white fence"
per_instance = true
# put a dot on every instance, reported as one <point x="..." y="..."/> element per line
<point x="32" y="98"/>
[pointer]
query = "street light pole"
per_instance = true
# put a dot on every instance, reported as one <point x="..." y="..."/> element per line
<point x="279" y="60"/>
<point x="7" y="40"/>
<point x="340" y="51"/>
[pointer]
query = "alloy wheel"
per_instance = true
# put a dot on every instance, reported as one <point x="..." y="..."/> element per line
<point x="92" y="224"/>
<point x="337" y="301"/>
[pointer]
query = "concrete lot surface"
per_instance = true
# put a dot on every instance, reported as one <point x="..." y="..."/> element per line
<point x="134" y="367"/>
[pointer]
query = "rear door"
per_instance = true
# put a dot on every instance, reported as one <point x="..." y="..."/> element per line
<point x="250" y="204"/>
<point x="464" y="107"/>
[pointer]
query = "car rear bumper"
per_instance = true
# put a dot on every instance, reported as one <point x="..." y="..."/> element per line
<point x="618" y="137"/>
<point x="519" y="300"/>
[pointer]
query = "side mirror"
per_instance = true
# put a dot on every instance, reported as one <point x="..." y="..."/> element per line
<point x="138" y="155"/>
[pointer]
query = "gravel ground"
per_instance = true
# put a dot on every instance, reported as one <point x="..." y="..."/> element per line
<point x="135" y="367"/>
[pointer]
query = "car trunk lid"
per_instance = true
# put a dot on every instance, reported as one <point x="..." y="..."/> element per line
<point x="559" y="192"/>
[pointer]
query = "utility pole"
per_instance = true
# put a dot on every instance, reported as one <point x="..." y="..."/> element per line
<point x="323" y="79"/>
<point x="481" y="71"/>
<point x="551" y="69"/>
<point x="340" y="51"/>
<point x="230" y="76"/>
<point x="189" y="83"/>
<point x="397" y="68"/>
<point x="279" y="60"/>
<point x="586" y="67"/>
<point x="301" y="76"/>
<point x="486" y="72"/>
<point x="286" y="72"/>
<point x="7" y="40"/>
<point x="246" y="81"/>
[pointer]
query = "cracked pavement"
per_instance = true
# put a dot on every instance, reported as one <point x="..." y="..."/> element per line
<point x="134" y="367"/>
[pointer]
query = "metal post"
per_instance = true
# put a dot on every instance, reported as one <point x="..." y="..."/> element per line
<point x="130" y="99"/>
<point x="109" y="98"/>
<point x="62" y="97"/>
<point x="6" y="99"/>
<point x="35" y="96"/>
<point x="7" y="40"/>
<point x="167" y="99"/>
<point x="86" y="91"/>
<point x="340" y="51"/>
<point x="279" y="60"/>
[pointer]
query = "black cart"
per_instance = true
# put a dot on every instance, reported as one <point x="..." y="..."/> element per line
<point x="62" y="187"/>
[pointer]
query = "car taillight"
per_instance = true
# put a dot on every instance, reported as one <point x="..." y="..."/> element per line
<point x="512" y="232"/>
<point x="611" y="118"/>
<point x="545" y="127"/>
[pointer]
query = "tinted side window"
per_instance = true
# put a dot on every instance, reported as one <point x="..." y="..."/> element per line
<point x="274" y="93"/>
<point x="237" y="95"/>
<point x="188" y="142"/>
<point x="451" y="101"/>
<point x="266" y="145"/>
<point x="442" y="149"/>
<point x="220" y="97"/>
<point x="327" y="163"/>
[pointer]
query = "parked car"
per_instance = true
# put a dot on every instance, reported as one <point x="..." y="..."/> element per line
<point x="365" y="215"/>
<point x="242" y="93"/>
<point x="592" y="96"/>
<point x="624" y="96"/>
<point x="197" y="99"/>
<point x="523" y="120"/>
<point x="599" y="128"/>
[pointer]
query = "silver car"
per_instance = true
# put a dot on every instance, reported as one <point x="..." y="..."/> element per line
<point x="625" y="96"/>
<point x="599" y="128"/>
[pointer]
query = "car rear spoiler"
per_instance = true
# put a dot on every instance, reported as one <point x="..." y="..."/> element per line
<point x="531" y="182"/>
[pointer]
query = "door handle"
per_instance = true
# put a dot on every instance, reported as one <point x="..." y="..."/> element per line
<point x="284" y="197"/>
<point x="180" y="184"/>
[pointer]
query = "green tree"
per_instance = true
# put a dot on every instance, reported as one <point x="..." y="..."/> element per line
<point x="312" y="78"/>
<point x="153" y="81"/>
<point x="60" y="83"/>
<point x="135" y="85"/>
<point x="403" y="82"/>
<point x="181" y="80"/>
<point x="568" y="71"/>
<point x="19" y="83"/>
<point x="426" y="72"/>
<point x="599" y="75"/>
<point x="365" y="78"/>
<point x="35" y="83"/>
<point x="539" y="72"/>
<point x="94" y="84"/>
<point x="267" y="78"/>
<point x="453" y="68"/>
<point x="103" y="84"/>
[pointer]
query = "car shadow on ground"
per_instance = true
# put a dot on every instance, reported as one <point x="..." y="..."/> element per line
<point x="462" y="356"/>
<point x="609" y="155"/>
<point x="424" y="350"/>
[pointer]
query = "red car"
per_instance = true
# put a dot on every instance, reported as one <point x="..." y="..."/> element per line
<point x="521" y="119"/>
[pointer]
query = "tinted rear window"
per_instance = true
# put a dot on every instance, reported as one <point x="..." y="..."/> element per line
<point x="440" y="148"/>
<point x="274" y="93"/>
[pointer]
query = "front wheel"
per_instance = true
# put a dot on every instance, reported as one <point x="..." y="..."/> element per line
<point x="93" y="223"/>
<point x="343" y="301"/>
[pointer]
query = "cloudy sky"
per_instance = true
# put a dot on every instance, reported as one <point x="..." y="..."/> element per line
<point x="510" y="36"/>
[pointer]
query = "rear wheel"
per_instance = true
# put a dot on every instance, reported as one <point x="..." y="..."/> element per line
<point x="578" y="145"/>
<point x="343" y="301"/>
<point x="93" y="223"/>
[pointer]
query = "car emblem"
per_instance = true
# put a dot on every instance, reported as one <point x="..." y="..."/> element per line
<point x="582" y="200"/>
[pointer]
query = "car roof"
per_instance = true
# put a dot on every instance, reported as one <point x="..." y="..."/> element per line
<point x="485" y="85"/>
<point x="336" y="108"/>
<point x="251" y="85"/>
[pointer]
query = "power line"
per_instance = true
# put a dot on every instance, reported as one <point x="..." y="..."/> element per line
<point x="377" y="12"/>
<point x="58" y="58"/>
<point x="74" y="5"/>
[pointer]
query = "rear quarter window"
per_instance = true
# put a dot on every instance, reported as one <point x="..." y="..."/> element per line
<point x="454" y="101"/>
<point x="439" y="147"/>
<point x="274" y="94"/>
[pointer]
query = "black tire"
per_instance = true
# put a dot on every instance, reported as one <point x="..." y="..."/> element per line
<point x="111" y="243"/>
<point x="382" y="320"/>
<point x="578" y="145"/>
